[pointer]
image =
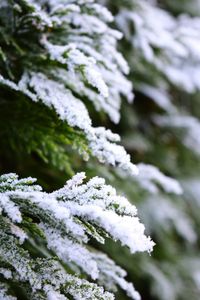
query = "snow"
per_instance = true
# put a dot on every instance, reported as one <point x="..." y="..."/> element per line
<point x="176" y="39"/>
<point x="112" y="275"/>
<point x="149" y="174"/>
<point x="53" y="295"/>
<point x="53" y="94"/>
<point x="70" y="251"/>
<point x="93" y="202"/>
<point x="10" y="209"/>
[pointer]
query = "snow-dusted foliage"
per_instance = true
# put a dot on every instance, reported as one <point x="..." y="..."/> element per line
<point x="175" y="39"/>
<point x="152" y="180"/>
<point x="66" y="220"/>
<point x="149" y="175"/>
<point x="62" y="80"/>
<point x="85" y="64"/>
<point x="165" y="49"/>
<point x="70" y="109"/>
<point x="170" y="216"/>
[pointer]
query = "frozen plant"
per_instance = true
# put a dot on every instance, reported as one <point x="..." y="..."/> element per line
<point x="59" y="225"/>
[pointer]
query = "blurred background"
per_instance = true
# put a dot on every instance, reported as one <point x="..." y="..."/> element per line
<point x="162" y="128"/>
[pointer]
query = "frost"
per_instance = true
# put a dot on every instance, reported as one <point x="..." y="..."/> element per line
<point x="130" y="232"/>
<point x="106" y="151"/>
<point x="101" y="141"/>
<point x="38" y="17"/>
<point x="112" y="275"/>
<point x="71" y="252"/>
<point x="175" y="38"/>
<point x="86" y="64"/>
<point x="19" y="233"/>
<point x="6" y="273"/>
<point x="12" y="182"/>
<point x="149" y="174"/>
<point x="95" y="79"/>
<point x="89" y="54"/>
<point x="84" y="291"/>
<point x="75" y="59"/>
<point x="53" y="295"/>
<point x="10" y="208"/>
<point x="4" y="292"/>
<point x="55" y="95"/>
<point x="93" y="202"/>
<point x="67" y="219"/>
<point x="125" y="228"/>
<point x="167" y="217"/>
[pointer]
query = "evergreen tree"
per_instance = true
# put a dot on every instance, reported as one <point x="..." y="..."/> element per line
<point x="56" y="58"/>
<point x="63" y="79"/>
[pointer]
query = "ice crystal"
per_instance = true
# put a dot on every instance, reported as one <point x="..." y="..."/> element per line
<point x="53" y="94"/>
<point x="67" y="219"/>
<point x="112" y="275"/>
